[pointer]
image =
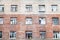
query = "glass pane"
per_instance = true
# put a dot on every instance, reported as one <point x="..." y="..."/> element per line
<point x="28" y="35"/>
<point x="28" y="20"/>
<point x="42" y="34"/>
<point x="13" y="20"/>
<point x="1" y="20"/>
<point x="0" y="34"/>
<point x="55" y="21"/>
<point x="28" y="8"/>
<point x="14" y="8"/>
<point x="13" y="34"/>
<point x="42" y="21"/>
<point x="1" y="8"/>
<point x="54" y="7"/>
<point x="41" y="8"/>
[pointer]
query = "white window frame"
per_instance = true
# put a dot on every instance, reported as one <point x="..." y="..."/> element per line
<point x="44" y="34"/>
<point x="13" y="20"/>
<point x="1" y="20"/>
<point x="41" y="8"/>
<point x="1" y="8"/>
<point x="13" y="8"/>
<point x="29" y="8"/>
<point x="12" y="34"/>
<point x="42" y="20"/>
<point x="56" y="35"/>
<point x="1" y="34"/>
<point x="54" y="8"/>
<point x="55" y="22"/>
<point x="27" y="35"/>
<point x="28" y="20"/>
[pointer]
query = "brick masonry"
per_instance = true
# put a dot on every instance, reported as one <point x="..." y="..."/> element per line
<point x="21" y="27"/>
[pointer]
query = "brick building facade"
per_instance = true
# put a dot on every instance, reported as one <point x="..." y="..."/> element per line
<point x="21" y="27"/>
<point x="29" y="19"/>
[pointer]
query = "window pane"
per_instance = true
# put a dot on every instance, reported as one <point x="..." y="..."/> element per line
<point x="55" y="20"/>
<point x="41" y="8"/>
<point x="56" y="34"/>
<point x="0" y="34"/>
<point x="29" y="35"/>
<point x="28" y="20"/>
<point x="12" y="34"/>
<point x="13" y="8"/>
<point x="54" y="8"/>
<point x="42" y="34"/>
<point x="42" y="20"/>
<point x="1" y="20"/>
<point x="28" y="8"/>
<point x="1" y="8"/>
<point x="13" y="20"/>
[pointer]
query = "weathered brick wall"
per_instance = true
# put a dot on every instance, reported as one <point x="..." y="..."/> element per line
<point x="21" y="27"/>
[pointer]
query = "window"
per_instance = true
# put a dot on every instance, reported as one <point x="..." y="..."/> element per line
<point x="54" y="8"/>
<point x="1" y="8"/>
<point x="28" y="35"/>
<point x="28" y="8"/>
<point x="13" y="20"/>
<point x="55" y="20"/>
<point x="28" y="20"/>
<point x="42" y="34"/>
<point x="56" y="34"/>
<point x="42" y="20"/>
<point x="1" y="20"/>
<point x="0" y="34"/>
<point x="12" y="34"/>
<point x="13" y="8"/>
<point x="41" y="8"/>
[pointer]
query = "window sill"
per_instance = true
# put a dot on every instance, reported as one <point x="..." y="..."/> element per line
<point x="55" y="25"/>
<point x="13" y="24"/>
<point x="56" y="38"/>
<point x="41" y="11"/>
<point x="12" y="38"/>
<point x="42" y="24"/>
